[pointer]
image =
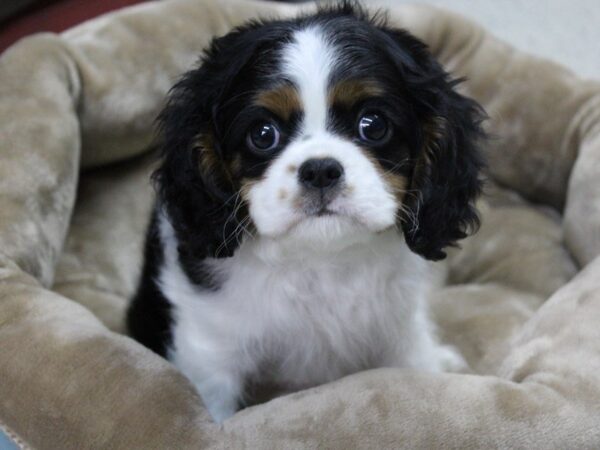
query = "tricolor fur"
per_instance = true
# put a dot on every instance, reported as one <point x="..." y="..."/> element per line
<point x="308" y="167"/>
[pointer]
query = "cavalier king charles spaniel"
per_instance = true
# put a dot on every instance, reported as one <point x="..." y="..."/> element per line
<point x="309" y="169"/>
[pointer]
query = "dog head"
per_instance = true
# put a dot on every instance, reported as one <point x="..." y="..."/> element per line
<point x="320" y="130"/>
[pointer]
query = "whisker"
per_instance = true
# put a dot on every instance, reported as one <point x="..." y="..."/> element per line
<point x="406" y="214"/>
<point x="226" y="202"/>
<point x="231" y="216"/>
<point x="395" y="166"/>
<point x="241" y="225"/>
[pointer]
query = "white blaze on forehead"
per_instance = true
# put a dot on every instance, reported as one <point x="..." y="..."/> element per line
<point x="308" y="61"/>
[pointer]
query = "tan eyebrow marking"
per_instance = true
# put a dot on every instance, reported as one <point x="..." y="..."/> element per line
<point x="348" y="92"/>
<point x="282" y="101"/>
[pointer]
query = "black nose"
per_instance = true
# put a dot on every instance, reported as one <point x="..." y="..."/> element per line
<point x="320" y="173"/>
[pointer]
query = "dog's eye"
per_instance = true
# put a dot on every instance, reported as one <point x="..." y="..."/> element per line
<point x="372" y="127"/>
<point x="263" y="137"/>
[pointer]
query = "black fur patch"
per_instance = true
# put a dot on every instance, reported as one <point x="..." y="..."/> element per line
<point x="434" y="145"/>
<point x="149" y="315"/>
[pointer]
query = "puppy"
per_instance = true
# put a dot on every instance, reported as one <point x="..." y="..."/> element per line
<point x="309" y="168"/>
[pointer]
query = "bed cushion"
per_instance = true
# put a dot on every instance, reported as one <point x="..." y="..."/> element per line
<point x="520" y="299"/>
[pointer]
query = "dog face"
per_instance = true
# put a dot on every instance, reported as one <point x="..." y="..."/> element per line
<point x="320" y="130"/>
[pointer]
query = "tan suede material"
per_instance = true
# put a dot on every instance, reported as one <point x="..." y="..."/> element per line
<point x="40" y="152"/>
<point x="76" y="121"/>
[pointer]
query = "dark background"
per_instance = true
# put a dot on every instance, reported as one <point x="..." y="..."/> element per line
<point x="19" y="18"/>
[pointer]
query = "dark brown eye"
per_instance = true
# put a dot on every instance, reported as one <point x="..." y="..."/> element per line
<point x="263" y="137"/>
<point x="372" y="128"/>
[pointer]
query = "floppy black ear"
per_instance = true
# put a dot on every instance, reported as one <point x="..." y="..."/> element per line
<point x="193" y="184"/>
<point x="445" y="181"/>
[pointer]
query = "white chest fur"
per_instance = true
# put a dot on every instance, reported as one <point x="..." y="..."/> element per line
<point x="309" y="320"/>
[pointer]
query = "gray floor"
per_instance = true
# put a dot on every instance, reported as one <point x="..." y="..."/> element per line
<point x="567" y="31"/>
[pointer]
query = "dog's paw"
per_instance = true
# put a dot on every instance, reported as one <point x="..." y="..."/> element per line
<point x="221" y="411"/>
<point x="221" y="396"/>
<point x="451" y="360"/>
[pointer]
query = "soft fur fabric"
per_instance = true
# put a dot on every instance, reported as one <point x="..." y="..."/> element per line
<point x="75" y="118"/>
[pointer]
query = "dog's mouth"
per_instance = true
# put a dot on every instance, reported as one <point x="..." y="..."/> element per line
<point x="324" y="211"/>
<point x="329" y="219"/>
<point x="319" y="206"/>
<point x="327" y="210"/>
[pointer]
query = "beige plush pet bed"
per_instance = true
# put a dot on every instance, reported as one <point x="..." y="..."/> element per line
<point x="521" y="299"/>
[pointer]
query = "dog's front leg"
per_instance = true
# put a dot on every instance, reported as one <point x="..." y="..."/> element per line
<point x="221" y="393"/>
<point x="216" y="373"/>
